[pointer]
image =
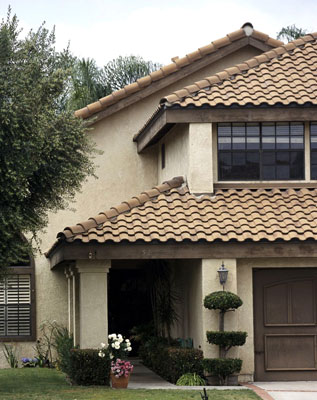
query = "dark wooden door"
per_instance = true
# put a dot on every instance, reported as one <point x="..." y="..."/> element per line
<point x="285" y="324"/>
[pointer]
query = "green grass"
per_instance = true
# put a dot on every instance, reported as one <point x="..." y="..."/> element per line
<point x="45" y="384"/>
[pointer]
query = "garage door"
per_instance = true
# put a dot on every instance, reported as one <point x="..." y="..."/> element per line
<point x="285" y="324"/>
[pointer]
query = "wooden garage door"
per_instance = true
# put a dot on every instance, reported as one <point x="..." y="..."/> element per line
<point x="285" y="324"/>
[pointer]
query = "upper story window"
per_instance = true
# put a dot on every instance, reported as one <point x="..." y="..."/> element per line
<point x="313" y="150"/>
<point x="261" y="151"/>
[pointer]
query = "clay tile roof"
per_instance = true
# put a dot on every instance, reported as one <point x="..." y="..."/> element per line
<point x="280" y="75"/>
<point x="171" y="212"/>
<point x="177" y="64"/>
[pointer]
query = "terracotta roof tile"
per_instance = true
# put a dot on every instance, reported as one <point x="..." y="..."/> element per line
<point x="285" y="75"/>
<point x="171" y="212"/>
<point x="177" y="64"/>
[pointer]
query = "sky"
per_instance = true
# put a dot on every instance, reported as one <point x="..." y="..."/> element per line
<point x="154" y="30"/>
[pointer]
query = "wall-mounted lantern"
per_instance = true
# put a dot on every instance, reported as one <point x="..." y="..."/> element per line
<point x="223" y="275"/>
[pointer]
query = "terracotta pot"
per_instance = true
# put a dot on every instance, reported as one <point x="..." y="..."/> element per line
<point x="119" y="383"/>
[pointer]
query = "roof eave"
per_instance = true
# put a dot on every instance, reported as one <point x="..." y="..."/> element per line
<point x="96" y="112"/>
<point x="186" y="249"/>
<point x="166" y="118"/>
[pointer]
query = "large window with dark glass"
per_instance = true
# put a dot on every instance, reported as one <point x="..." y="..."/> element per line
<point x="261" y="151"/>
<point x="313" y="150"/>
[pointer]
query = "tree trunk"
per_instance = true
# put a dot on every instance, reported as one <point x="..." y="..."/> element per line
<point x="222" y="351"/>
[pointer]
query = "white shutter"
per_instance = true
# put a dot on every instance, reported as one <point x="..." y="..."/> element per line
<point x="15" y="314"/>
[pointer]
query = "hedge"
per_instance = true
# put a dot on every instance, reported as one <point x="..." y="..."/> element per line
<point x="171" y="362"/>
<point x="87" y="368"/>
<point x="222" y="367"/>
<point x="227" y="338"/>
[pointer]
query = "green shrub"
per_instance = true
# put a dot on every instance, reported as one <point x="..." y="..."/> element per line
<point x="222" y="367"/>
<point x="63" y="343"/>
<point x="223" y="301"/>
<point x="227" y="339"/>
<point x="190" y="380"/>
<point x="150" y="348"/>
<point x="171" y="362"/>
<point x="87" y="368"/>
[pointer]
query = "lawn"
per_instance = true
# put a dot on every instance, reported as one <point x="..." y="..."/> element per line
<point x="45" y="384"/>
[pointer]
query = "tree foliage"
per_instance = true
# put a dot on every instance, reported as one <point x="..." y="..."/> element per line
<point x="89" y="82"/>
<point x="123" y="71"/>
<point x="290" y="33"/>
<point x="44" y="150"/>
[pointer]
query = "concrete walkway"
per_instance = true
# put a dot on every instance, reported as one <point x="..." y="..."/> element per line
<point x="144" y="378"/>
<point x="287" y="390"/>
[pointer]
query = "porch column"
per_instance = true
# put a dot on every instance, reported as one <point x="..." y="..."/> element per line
<point x="93" y="302"/>
<point x="210" y="283"/>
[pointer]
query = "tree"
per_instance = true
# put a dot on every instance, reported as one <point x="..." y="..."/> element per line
<point x="45" y="153"/>
<point x="123" y="71"/>
<point x="291" y="32"/>
<point x="87" y="83"/>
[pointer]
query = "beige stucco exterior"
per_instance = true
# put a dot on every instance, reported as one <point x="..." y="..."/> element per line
<point x="191" y="151"/>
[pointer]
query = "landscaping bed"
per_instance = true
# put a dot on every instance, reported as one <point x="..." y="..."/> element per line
<point x="48" y="384"/>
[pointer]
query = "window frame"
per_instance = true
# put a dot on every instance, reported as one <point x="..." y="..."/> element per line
<point x="260" y="151"/>
<point x="311" y="150"/>
<point x="25" y="270"/>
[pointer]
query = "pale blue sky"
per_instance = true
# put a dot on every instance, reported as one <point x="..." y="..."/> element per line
<point x="156" y="30"/>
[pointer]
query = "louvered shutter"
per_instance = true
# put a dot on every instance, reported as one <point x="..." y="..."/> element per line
<point x="15" y="306"/>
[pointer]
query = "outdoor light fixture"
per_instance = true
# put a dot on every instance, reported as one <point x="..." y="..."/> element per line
<point x="223" y="275"/>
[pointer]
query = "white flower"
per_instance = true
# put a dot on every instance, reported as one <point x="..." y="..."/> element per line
<point x="120" y="339"/>
<point x="113" y="345"/>
<point x="101" y="354"/>
<point x="120" y="336"/>
<point x="117" y="346"/>
<point x="103" y="345"/>
<point x="111" y="356"/>
<point x="127" y="340"/>
<point x="129" y="348"/>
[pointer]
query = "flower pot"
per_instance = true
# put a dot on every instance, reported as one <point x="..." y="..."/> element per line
<point x="119" y="383"/>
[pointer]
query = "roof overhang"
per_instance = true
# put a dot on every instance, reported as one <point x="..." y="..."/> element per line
<point x="66" y="252"/>
<point x="100" y="112"/>
<point x="166" y="118"/>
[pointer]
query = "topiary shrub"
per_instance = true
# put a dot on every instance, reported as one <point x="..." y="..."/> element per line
<point x="223" y="301"/>
<point x="227" y="339"/>
<point x="222" y="367"/>
<point x="87" y="368"/>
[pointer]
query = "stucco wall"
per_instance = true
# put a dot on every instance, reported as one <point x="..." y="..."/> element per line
<point x="121" y="173"/>
<point x="176" y="153"/>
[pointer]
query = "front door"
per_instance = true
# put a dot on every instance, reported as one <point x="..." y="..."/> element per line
<point x="285" y="324"/>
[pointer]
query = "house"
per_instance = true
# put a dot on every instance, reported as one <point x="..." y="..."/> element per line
<point x="214" y="158"/>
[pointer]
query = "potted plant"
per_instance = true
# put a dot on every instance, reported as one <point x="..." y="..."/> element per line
<point x="118" y="348"/>
<point x="224" y="367"/>
<point x="120" y="373"/>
